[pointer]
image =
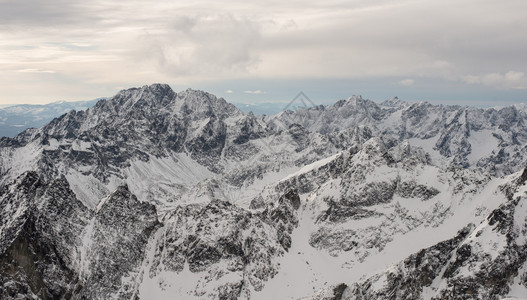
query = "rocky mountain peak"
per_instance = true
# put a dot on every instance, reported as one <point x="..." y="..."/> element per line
<point x="141" y="108"/>
<point x="148" y="102"/>
<point x="394" y="103"/>
<point x="356" y="99"/>
<point x="361" y="104"/>
<point x="148" y="96"/>
<point x="199" y="104"/>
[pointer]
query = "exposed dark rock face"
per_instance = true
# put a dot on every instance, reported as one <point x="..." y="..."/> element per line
<point x="492" y="271"/>
<point x="357" y="194"/>
<point x="45" y="253"/>
<point x="334" y="292"/>
<point x="523" y="177"/>
<point x="226" y="241"/>
<point x="118" y="236"/>
<point x="407" y="279"/>
<point x="293" y="197"/>
<point x="480" y="263"/>
<point x="249" y="129"/>
<point x="39" y="239"/>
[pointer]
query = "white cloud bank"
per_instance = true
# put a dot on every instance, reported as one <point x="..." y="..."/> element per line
<point x="509" y="80"/>
<point x="407" y="82"/>
<point x="254" y="92"/>
<point x="36" y="71"/>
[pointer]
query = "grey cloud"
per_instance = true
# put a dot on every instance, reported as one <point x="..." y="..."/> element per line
<point x="417" y="38"/>
<point x="509" y="80"/>
<point x="470" y="42"/>
<point x="15" y="14"/>
<point x="208" y="45"/>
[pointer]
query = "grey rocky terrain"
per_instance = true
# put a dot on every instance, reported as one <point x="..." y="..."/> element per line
<point x="154" y="194"/>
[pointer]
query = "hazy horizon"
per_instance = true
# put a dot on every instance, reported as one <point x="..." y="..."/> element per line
<point x="276" y="105"/>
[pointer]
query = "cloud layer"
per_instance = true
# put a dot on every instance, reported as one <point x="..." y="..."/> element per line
<point x="82" y="49"/>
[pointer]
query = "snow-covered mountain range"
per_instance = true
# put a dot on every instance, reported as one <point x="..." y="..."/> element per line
<point x="154" y="194"/>
<point x="16" y="118"/>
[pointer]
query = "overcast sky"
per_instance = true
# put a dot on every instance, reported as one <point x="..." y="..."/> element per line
<point x="450" y="51"/>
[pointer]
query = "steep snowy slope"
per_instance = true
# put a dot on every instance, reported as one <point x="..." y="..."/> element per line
<point x="486" y="261"/>
<point x="363" y="211"/>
